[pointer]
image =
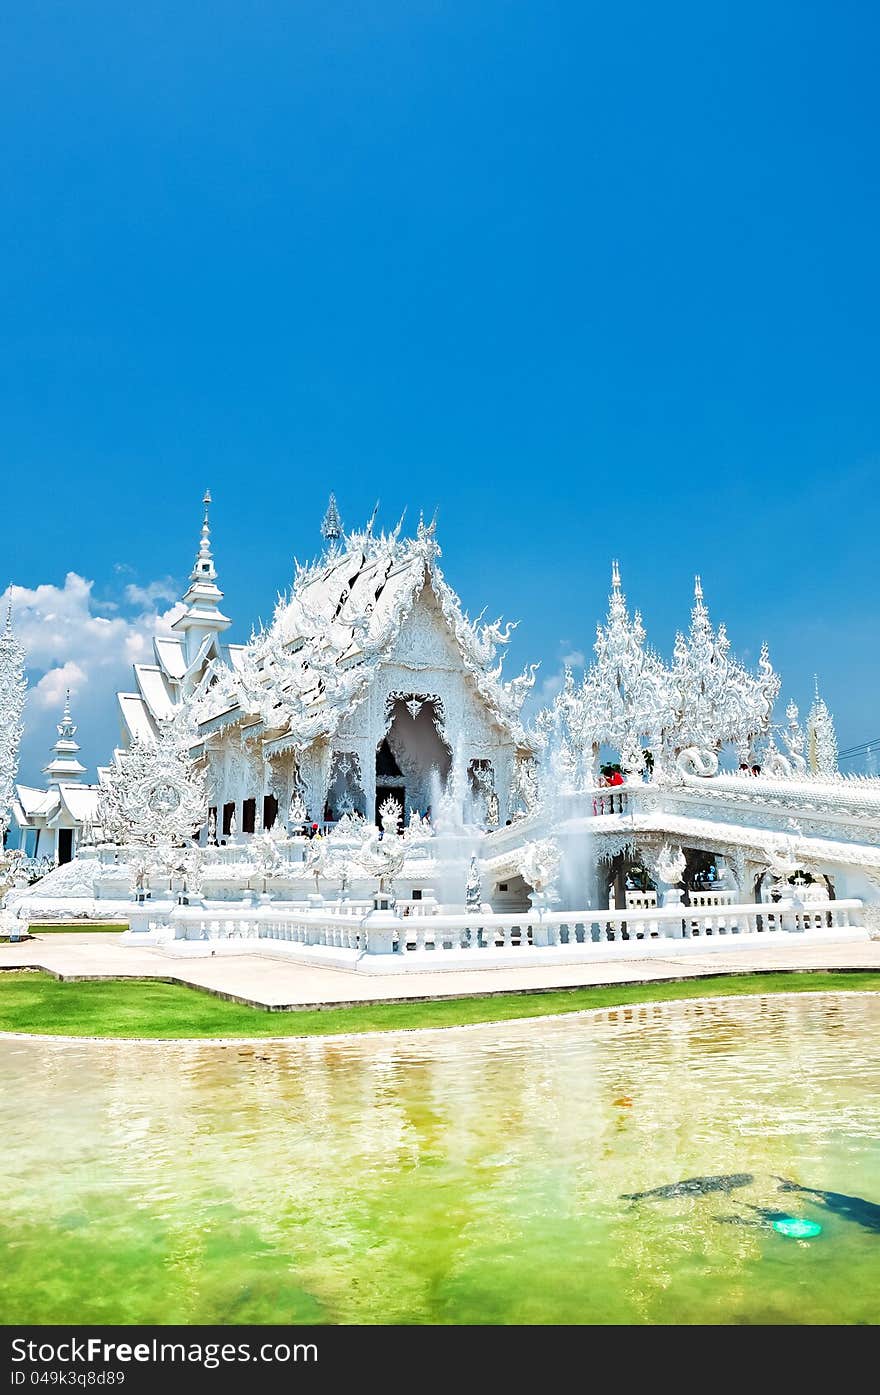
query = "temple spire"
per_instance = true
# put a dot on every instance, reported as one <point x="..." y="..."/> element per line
<point x="12" y="693"/>
<point x="205" y="544"/>
<point x="202" y="616"/>
<point x="821" y="736"/>
<point x="331" y="528"/>
<point x="65" y="764"/>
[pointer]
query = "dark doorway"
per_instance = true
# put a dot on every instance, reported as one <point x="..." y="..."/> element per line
<point x="270" y="811"/>
<point x="248" y="815"/>
<point x="385" y="762"/>
<point x="65" y="845"/>
<point x="382" y="793"/>
<point x="228" y="811"/>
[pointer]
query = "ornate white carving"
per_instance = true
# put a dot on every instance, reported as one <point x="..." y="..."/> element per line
<point x="694" y="760"/>
<point x="382" y="854"/>
<point x="665" y="863"/>
<point x="716" y="699"/>
<point x="156" y="794"/>
<point x="473" y="892"/>
<point x="685" y="713"/>
<point x="538" y="865"/>
<point x="795" y="740"/>
<point x="821" y="737"/>
<point x="624" y="697"/>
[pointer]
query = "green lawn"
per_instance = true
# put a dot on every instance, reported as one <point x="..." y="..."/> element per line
<point x="78" y="927"/>
<point x="32" y="1001"/>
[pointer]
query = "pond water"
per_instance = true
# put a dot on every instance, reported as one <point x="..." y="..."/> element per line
<point x="469" y="1176"/>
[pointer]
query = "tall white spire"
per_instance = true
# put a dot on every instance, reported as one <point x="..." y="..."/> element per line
<point x="65" y="764"/>
<point x="12" y="692"/>
<point x="821" y="736"/>
<point x="203" y="615"/>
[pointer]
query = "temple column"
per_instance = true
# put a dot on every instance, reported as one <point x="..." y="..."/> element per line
<point x="368" y="768"/>
<point x="315" y="774"/>
<point x="503" y="762"/>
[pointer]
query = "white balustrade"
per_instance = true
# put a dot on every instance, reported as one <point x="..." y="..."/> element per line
<point x="613" y="799"/>
<point x="640" y="900"/>
<point x="580" y="933"/>
<point x="714" y="896"/>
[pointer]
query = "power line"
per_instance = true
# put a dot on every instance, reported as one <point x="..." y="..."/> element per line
<point x="860" y="749"/>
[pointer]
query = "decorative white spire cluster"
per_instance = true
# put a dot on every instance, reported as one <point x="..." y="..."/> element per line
<point x="716" y="699"/>
<point x="628" y="697"/>
<point x="821" y="737"/>
<point x="626" y="689"/>
<point x="12" y="694"/>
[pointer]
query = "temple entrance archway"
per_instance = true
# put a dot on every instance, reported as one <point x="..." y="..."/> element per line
<point x="410" y="753"/>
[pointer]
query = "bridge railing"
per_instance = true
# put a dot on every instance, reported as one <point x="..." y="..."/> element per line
<point x="580" y="932"/>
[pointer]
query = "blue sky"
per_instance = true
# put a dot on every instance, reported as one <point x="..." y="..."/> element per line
<point x="596" y="280"/>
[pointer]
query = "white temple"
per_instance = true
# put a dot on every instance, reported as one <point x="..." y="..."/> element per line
<point x="368" y="682"/>
<point x="367" y="735"/>
<point x="51" y="820"/>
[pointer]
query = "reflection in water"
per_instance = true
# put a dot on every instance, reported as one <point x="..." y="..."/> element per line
<point x="475" y="1175"/>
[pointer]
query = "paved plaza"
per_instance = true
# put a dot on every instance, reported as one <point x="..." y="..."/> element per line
<point x="271" y="983"/>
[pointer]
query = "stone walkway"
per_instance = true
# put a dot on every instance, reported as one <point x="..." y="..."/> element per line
<point x="271" y="983"/>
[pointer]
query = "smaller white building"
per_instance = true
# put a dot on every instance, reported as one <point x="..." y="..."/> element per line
<point x="52" y="821"/>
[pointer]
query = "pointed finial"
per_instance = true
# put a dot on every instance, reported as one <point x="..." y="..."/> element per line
<point x="66" y="728"/>
<point x="331" y="528"/>
<point x="698" y="589"/>
<point x="205" y="544"/>
<point x="9" y="619"/>
<point x="372" y="519"/>
<point x="816" y="685"/>
<point x="615" y="575"/>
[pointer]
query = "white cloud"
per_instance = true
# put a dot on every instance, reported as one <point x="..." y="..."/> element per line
<point x="165" y="590"/>
<point x="49" y="693"/>
<point x="71" y="644"/>
<point x="569" y="657"/>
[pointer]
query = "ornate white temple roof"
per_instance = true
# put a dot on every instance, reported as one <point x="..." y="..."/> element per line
<point x="340" y="622"/>
<point x="30" y="803"/>
<point x="181" y="658"/>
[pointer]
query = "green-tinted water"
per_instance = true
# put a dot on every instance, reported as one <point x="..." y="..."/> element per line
<point x="468" y="1176"/>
